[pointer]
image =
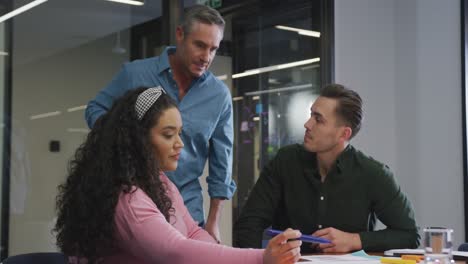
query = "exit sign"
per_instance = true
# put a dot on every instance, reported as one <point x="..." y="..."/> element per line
<point x="211" y="3"/>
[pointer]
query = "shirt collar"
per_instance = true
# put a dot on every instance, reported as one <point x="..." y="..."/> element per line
<point x="341" y="163"/>
<point x="164" y="58"/>
<point x="164" y="64"/>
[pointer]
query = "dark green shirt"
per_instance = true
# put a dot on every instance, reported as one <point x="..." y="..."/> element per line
<point x="356" y="191"/>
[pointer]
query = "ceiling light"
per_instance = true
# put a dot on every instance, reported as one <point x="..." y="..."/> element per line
<point x="246" y="73"/>
<point x="49" y="114"/>
<point x="77" y="108"/>
<point x="130" y="2"/>
<point x="78" y="130"/>
<point x="298" y="63"/>
<point x="275" y="67"/>
<point x="21" y="10"/>
<point x="300" y="31"/>
<point x="309" y="33"/>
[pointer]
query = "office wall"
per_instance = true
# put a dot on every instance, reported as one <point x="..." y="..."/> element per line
<point x="404" y="58"/>
<point x="61" y="81"/>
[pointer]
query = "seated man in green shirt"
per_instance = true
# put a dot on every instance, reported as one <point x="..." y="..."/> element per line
<point x="328" y="188"/>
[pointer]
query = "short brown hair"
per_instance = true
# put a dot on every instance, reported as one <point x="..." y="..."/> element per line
<point x="349" y="107"/>
<point x="202" y="14"/>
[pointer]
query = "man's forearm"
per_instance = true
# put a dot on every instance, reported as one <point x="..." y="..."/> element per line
<point x="216" y="206"/>
<point x="382" y="240"/>
<point x="212" y="223"/>
<point x="248" y="232"/>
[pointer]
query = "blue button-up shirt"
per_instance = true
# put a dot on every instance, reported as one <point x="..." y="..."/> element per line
<point x="206" y="112"/>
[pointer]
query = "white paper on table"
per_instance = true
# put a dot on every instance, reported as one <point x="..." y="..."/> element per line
<point x="338" y="259"/>
<point x="392" y="252"/>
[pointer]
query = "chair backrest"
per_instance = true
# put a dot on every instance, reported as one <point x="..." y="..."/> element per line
<point x="463" y="247"/>
<point x="37" y="258"/>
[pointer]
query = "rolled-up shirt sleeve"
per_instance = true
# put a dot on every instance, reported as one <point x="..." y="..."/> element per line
<point x="394" y="210"/>
<point x="220" y="182"/>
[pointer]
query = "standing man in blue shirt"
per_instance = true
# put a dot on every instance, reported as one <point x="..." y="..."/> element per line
<point x="204" y="102"/>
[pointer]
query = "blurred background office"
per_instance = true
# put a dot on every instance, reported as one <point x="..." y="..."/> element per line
<point x="402" y="56"/>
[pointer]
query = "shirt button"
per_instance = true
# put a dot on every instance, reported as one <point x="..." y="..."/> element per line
<point x="321" y="198"/>
<point x="319" y="226"/>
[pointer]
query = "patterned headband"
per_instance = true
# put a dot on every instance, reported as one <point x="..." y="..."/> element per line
<point x="146" y="99"/>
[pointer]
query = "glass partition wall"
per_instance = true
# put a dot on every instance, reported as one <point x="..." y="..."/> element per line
<point x="277" y="64"/>
<point x="5" y="125"/>
<point x="63" y="52"/>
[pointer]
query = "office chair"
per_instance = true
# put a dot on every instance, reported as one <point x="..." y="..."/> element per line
<point x="463" y="247"/>
<point x="37" y="258"/>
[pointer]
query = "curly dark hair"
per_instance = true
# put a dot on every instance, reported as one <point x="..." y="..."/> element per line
<point x="116" y="155"/>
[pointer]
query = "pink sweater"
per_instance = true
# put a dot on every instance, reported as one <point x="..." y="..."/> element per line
<point x="144" y="235"/>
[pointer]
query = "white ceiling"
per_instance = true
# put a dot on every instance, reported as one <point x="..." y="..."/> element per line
<point x="58" y="25"/>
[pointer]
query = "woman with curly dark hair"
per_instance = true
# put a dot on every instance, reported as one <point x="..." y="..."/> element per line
<point x="117" y="205"/>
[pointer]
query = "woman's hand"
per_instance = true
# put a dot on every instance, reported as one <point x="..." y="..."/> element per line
<point x="282" y="251"/>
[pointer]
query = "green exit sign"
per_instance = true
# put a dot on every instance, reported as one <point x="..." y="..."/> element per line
<point x="216" y="3"/>
<point x="211" y="3"/>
